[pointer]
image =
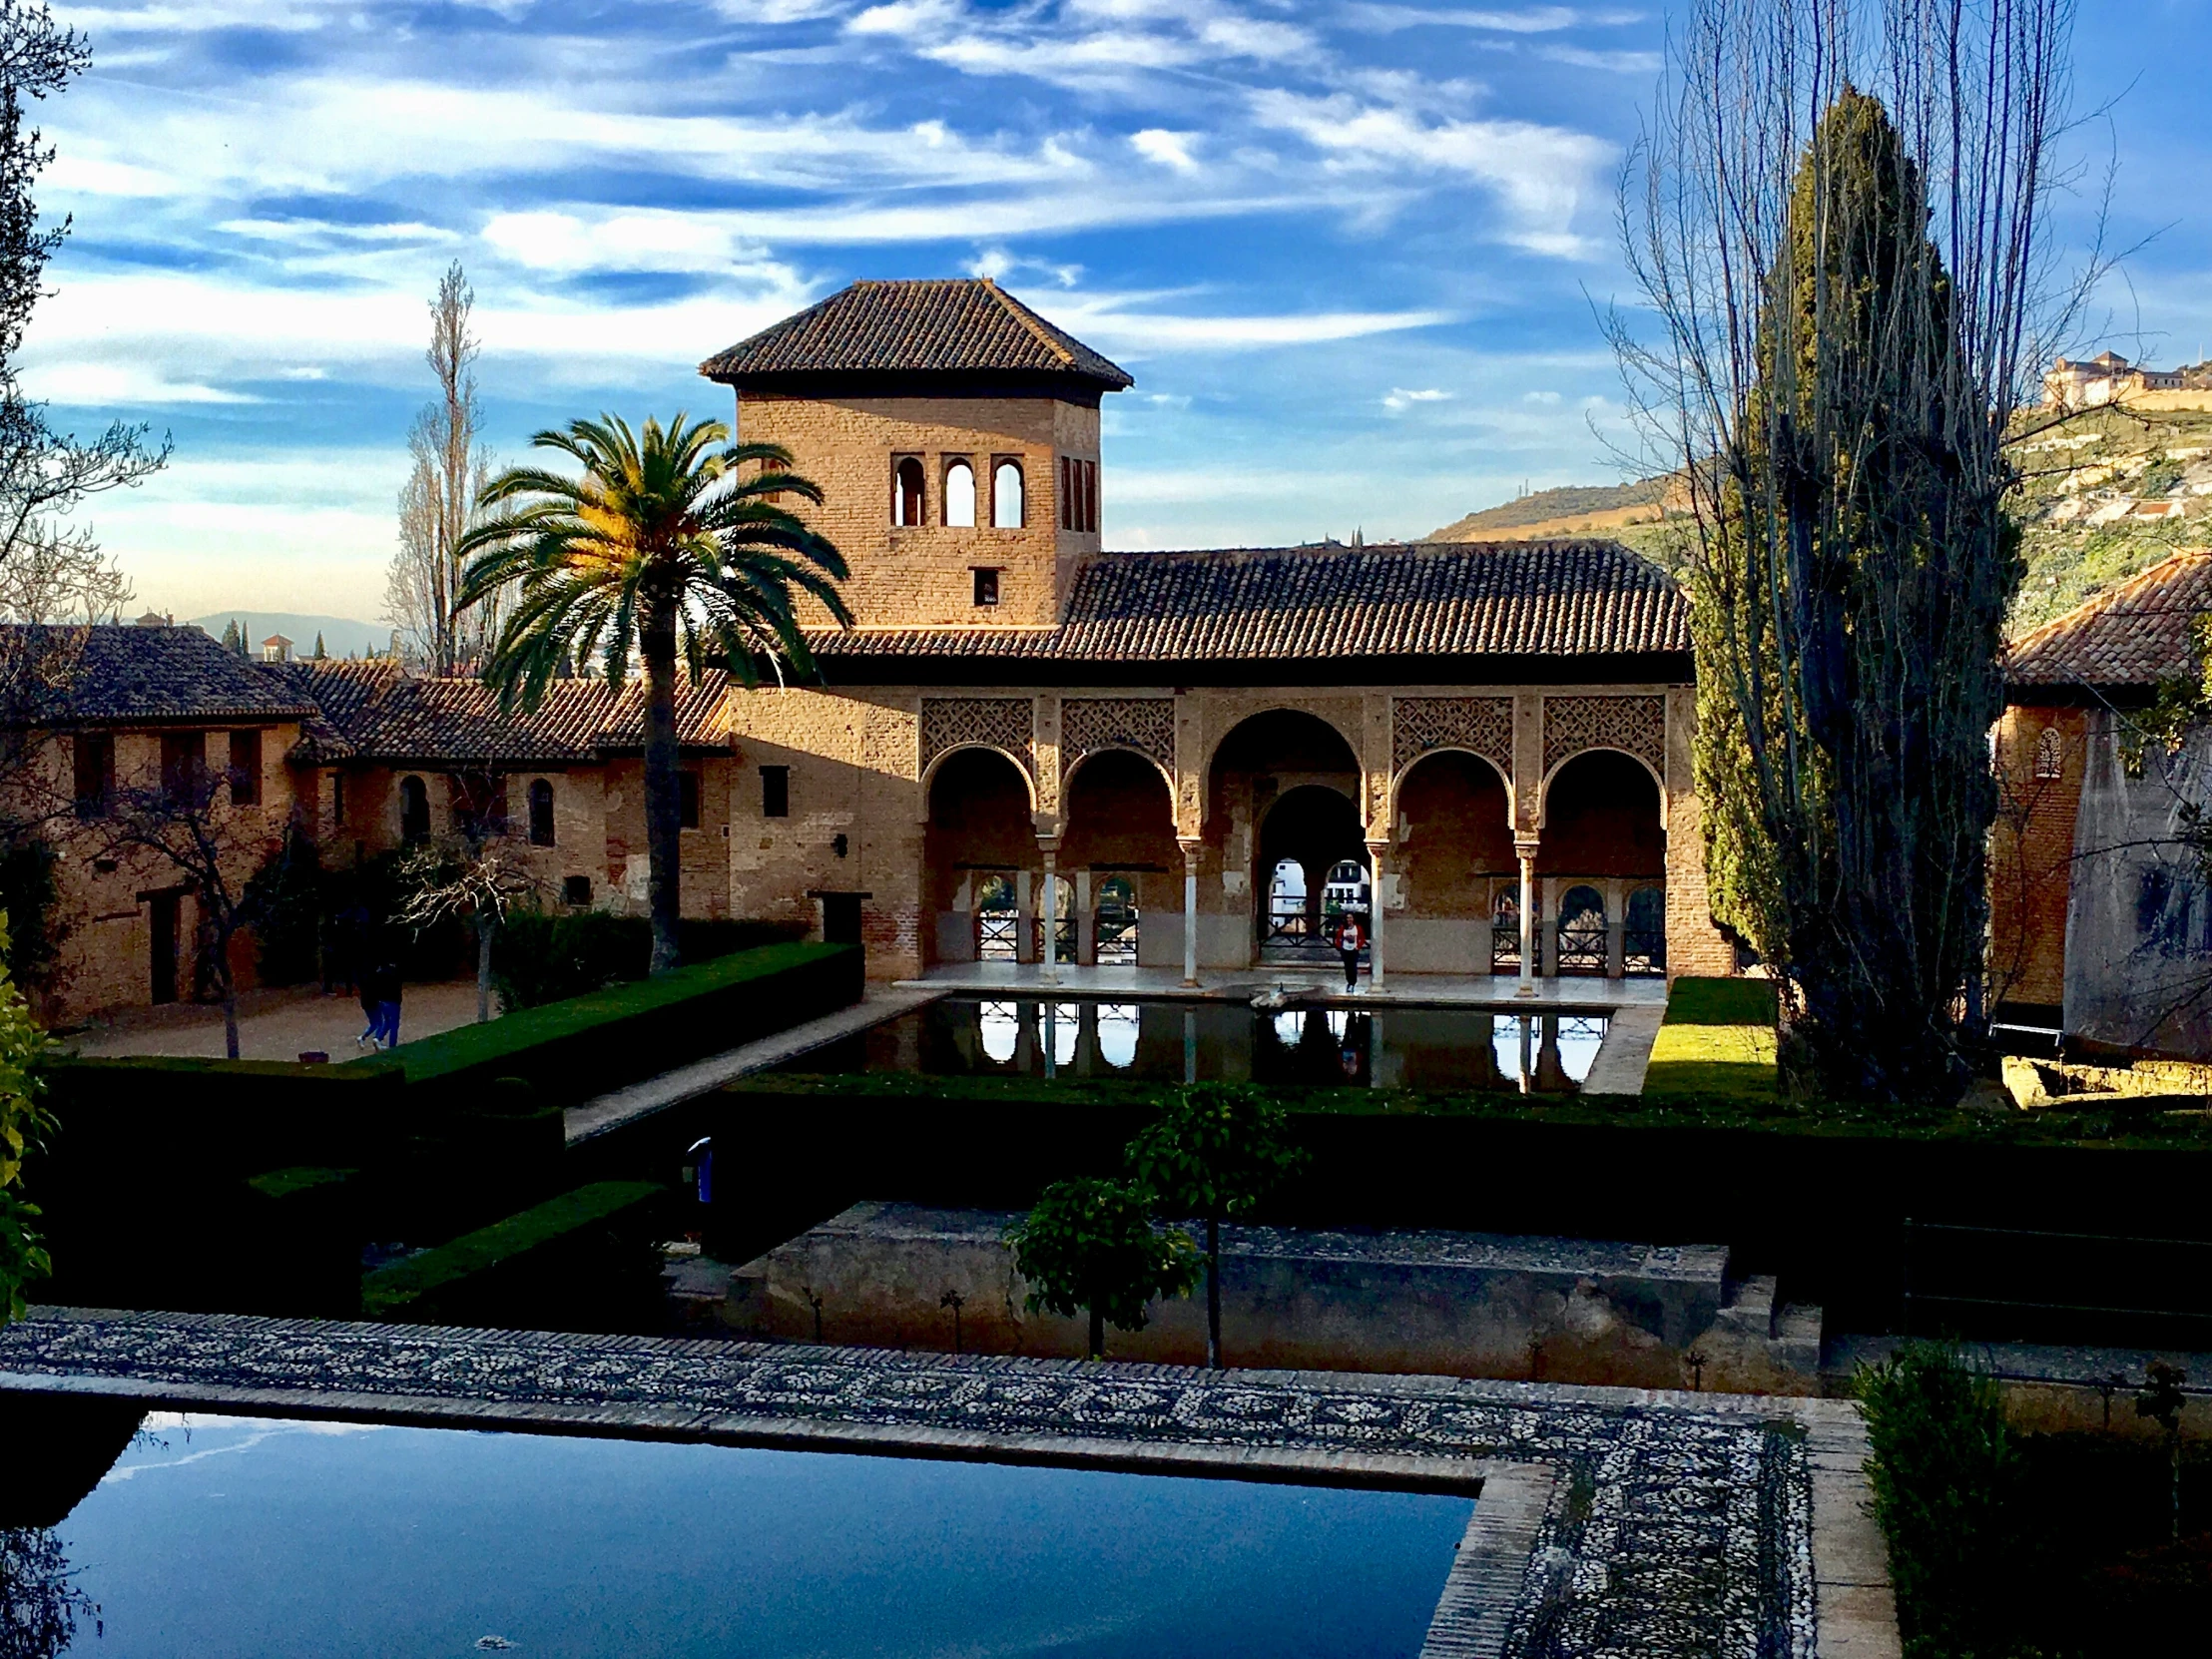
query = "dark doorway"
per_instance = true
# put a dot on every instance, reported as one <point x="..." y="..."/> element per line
<point x="1317" y="830"/>
<point x="161" y="914"/>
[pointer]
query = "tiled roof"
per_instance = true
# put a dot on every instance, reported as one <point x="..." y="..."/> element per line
<point x="341" y="693"/>
<point x="1432" y="599"/>
<point x="384" y="715"/>
<point x="2134" y="635"/>
<point x="968" y="326"/>
<point x="115" y="675"/>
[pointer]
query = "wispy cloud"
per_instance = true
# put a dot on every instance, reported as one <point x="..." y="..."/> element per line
<point x="1400" y="399"/>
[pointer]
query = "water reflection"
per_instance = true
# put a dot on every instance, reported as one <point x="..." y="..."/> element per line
<point x="1190" y="1041"/>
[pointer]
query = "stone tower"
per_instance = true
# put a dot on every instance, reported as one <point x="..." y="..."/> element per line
<point x="955" y="434"/>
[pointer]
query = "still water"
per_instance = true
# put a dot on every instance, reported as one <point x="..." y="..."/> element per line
<point x="227" y="1536"/>
<point x="1191" y="1041"/>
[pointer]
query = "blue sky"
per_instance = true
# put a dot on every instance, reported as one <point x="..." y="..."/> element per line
<point x="1349" y="252"/>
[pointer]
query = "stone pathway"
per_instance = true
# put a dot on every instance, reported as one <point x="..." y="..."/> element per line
<point x="276" y="1024"/>
<point x="1657" y="1526"/>
<point x="671" y="1088"/>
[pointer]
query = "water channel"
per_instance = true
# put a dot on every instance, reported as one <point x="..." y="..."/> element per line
<point x="231" y="1536"/>
<point x="1168" y="1040"/>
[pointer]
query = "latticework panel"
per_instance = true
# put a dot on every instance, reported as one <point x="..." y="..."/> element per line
<point x="958" y="722"/>
<point x="1481" y="724"/>
<point x="1143" y="724"/>
<point x="1635" y="724"/>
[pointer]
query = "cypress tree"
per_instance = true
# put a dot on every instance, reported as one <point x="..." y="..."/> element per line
<point x="1848" y="624"/>
<point x="230" y="636"/>
<point x="320" y="652"/>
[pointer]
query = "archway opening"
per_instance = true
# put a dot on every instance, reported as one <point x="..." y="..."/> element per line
<point x="1455" y="850"/>
<point x="978" y="843"/>
<point x="1283" y="786"/>
<point x="1119" y="839"/>
<point x="1601" y="817"/>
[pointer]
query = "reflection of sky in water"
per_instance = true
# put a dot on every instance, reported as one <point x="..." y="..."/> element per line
<point x="1339" y="1024"/>
<point x="1117" y="1033"/>
<point x="1067" y="1033"/>
<point x="1289" y="1025"/>
<point x="281" y="1540"/>
<point x="1579" y="1038"/>
<point x="1001" y="1028"/>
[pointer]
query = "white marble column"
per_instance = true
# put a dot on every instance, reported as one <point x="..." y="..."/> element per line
<point x="1189" y="911"/>
<point x="1376" y="849"/>
<point x="1527" y="852"/>
<point x="1050" y="848"/>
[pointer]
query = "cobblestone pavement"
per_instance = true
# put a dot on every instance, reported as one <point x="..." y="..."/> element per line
<point x="1674" y="1529"/>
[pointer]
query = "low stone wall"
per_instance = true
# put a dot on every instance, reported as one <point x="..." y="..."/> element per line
<point x="1448" y="1304"/>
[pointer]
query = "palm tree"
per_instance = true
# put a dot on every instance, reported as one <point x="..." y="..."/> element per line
<point x="664" y="536"/>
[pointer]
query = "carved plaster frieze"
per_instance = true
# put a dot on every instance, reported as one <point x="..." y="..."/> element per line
<point x="1002" y="723"/>
<point x="1479" y="724"/>
<point x="1144" y="725"/>
<point x="1634" y="725"/>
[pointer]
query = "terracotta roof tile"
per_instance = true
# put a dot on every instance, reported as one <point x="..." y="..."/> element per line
<point x="390" y="717"/>
<point x="1441" y="599"/>
<point x="122" y="675"/>
<point x="968" y="326"/>
<point x="2131" y="635"/>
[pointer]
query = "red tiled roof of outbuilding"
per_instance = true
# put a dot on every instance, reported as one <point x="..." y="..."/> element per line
<point x="2130" y="636"/>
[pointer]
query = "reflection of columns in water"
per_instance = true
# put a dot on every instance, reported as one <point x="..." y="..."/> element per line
<point x="1375" y="1053"/>
<point x="1552" y="1071"/>
<point x="1527" y="1031"/>
<point x="1190" y="1045"/>
<point x="1025" y="1045"/>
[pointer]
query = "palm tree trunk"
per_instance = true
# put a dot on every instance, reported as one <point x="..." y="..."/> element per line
<point x="663" y="796"/>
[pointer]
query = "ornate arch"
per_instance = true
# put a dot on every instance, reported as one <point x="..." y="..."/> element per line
<point x="1636" y="726"/>
<point x="1006" y="725"/>
<point x="1504" y="776"/>
<point x="1143" y="726"/>
<point x="930" y="772"/>
<point x="1243" y="713"/>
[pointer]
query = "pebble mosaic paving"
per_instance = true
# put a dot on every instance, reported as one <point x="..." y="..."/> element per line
<point x="1669" y="1530"/>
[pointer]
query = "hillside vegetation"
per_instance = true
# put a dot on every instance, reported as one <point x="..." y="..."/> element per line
<point x="2105" y="496"/>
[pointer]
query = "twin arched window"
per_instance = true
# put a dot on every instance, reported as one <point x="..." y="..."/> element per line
<point x="1007" y="506"/>
<point x="2050" y="758"/>
<point x="910" y="494"/>
<point x="907" y="492"/>
<point x="959" y="496"/>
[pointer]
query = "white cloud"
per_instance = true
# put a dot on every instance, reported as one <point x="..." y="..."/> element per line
<point x="1618" y="63"/>
<point x="1546" y="398"/>
<point x="1106" y="323"/>
<point x="1535" y="20"/>
<point x="97" y="385"/>
<point x="1173" y="150"/>
<point x="1401" y="399"/>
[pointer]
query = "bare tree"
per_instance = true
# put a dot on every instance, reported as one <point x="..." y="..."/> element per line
<point x="437" y="504"/>
<point x="1837" y="221"/>
<point x="184" y="821"/>
<point x="477" y="878"/>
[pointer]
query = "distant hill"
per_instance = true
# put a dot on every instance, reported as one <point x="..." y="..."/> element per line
<point x="341" y="636"/>
<point x="1571" y="507"/>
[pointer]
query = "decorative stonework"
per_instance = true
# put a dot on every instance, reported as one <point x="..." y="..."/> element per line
<point x="1005" y="723"/>
<point x="1145" y="724"/>
<point x="1479" y="724"/>
<point x="1635" y="724"/>
<point x="1676" y="1529"/>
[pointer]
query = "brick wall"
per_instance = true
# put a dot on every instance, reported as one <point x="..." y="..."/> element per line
<point x="2031" y="850"/>
<point x="923" y="576"/>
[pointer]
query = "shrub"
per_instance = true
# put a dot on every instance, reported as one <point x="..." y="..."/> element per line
<point x="27" y="894"/>
<point x="539" y="958"/>
<point x="24" y="1124"/>
<point x="1947" y="1490"/>
<point x="283" y="900"/>
<point x="1089" y="1247"/>
<point x="460" y="1276"/>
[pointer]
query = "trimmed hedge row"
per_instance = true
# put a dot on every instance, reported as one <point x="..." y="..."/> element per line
<point x="558" y="1256"/>
<point x="585" y="1045"/>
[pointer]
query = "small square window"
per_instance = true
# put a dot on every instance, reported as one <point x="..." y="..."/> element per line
<point x="687" y="800"/>
<point x="575" y="889"/>
<point x="775" y="791"/>
<point x="987" y="587"/>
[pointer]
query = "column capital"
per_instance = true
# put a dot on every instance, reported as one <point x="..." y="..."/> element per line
<point x="1525" y="846"/>
<point x="1048" y="845"/>
<point x="1192" y="846"/>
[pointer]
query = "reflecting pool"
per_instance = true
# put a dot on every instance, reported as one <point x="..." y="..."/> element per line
<point x="222" y="1536"/>
<point x="1189" y="1042"/>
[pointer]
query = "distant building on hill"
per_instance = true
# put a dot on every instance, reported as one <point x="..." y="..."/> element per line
<point x="2109" y="376"/>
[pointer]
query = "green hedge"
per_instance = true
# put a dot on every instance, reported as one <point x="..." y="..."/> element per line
<point x="539" y="958"/>
<point x="1696" y="1001"/>
<point x="518" y="1265"/>
<point x="573" y="1049"/>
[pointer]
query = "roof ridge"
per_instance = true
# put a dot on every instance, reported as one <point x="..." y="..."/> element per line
<point x="2097" y="604"/>
<point x="1028" y="319"/>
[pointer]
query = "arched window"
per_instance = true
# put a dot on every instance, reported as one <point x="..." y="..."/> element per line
<point x="1583" y="932"/>
<point x="906" y="490"/>
<point x="1286" y="901"/>
<point x="959" y="496"/>
<point x="2049" y="755"/>
<point x="1007" y="496"/>
<point x="1644" y="945"/>
<point x="541" y="812"/>
<point x="414" y="810"/>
